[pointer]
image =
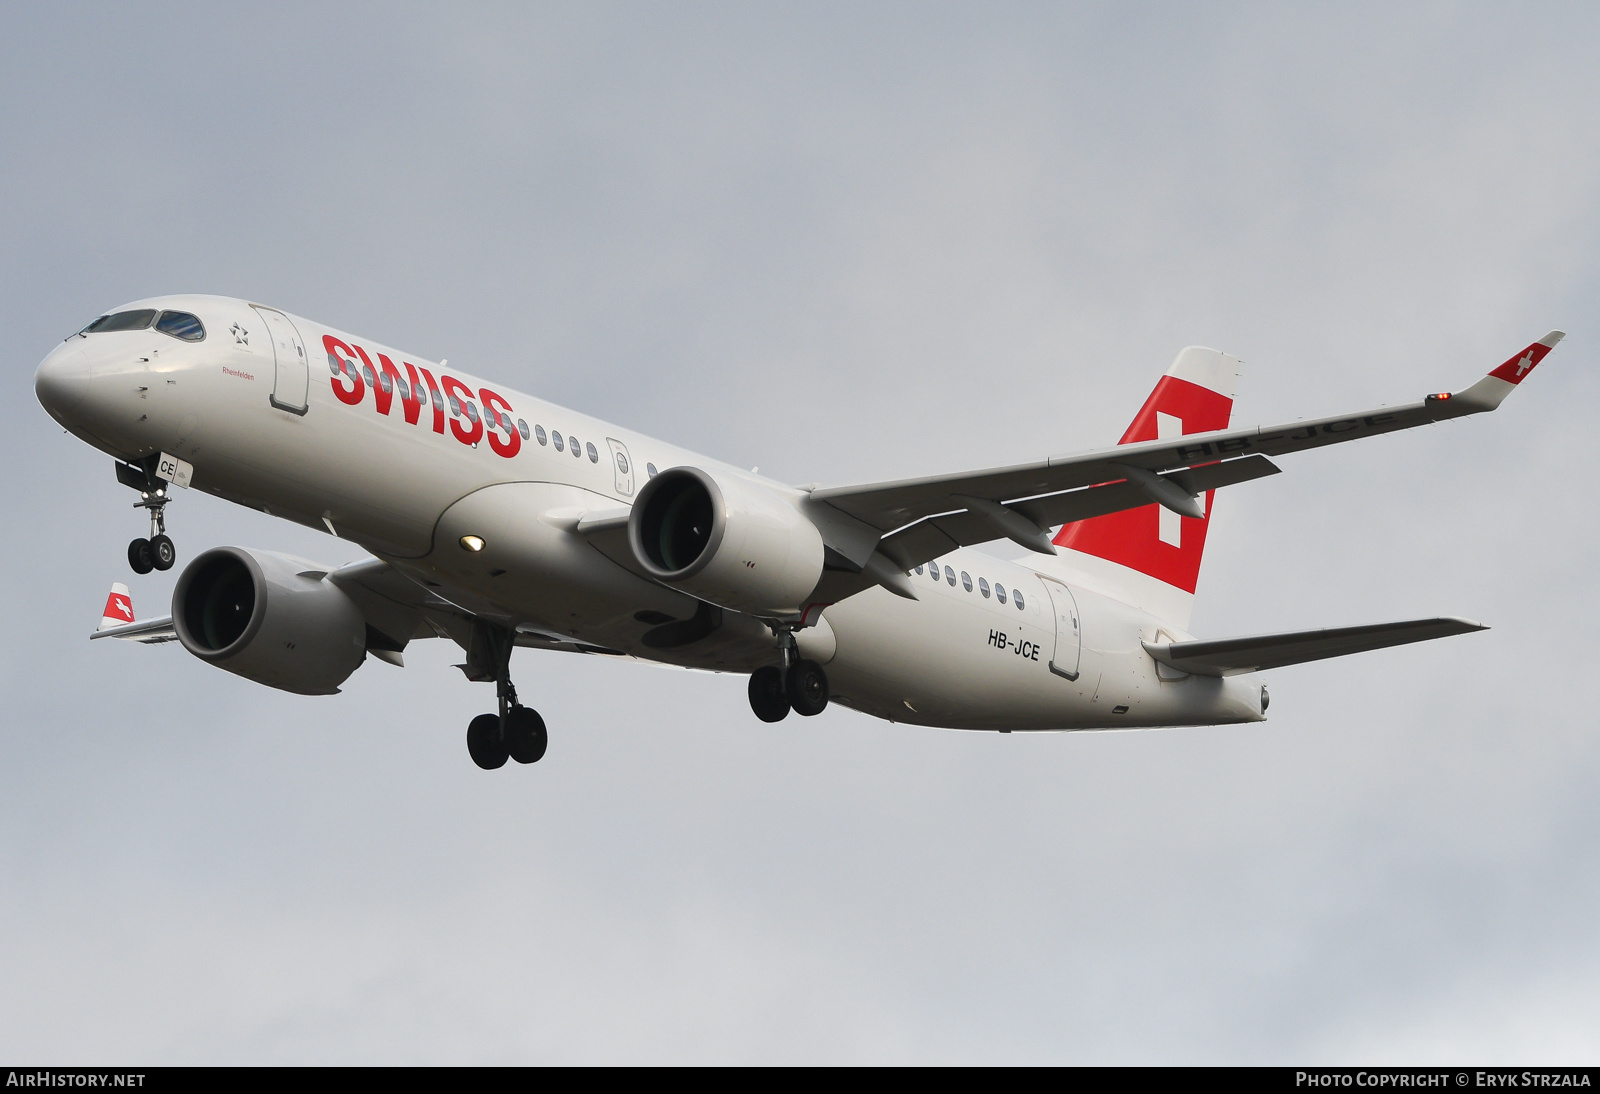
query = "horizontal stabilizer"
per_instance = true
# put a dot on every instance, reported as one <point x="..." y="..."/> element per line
<point x="1230" y="656"/>
<point x="148" y="630"/>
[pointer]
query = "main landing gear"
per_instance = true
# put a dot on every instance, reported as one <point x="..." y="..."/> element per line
<point x="797" y="685"/>
<point x="516" y="732"/>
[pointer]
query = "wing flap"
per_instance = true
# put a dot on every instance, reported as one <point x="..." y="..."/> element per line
<point x="1231" y="656"/>
<point x="938" y="535"/>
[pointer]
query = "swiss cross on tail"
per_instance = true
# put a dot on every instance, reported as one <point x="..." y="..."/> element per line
<point x="1195" y="396"/>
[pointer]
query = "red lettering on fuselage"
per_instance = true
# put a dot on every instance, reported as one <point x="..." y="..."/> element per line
<point x="346" y="370"/>
<point x="461" y="395"/>
<point x="409" y="403"/>
<point x="513" y="442"/>
<point x="350" y="382"/>
<point x="436" y="399"/>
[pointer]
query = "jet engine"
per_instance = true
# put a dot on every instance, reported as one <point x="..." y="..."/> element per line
<point x="729" y="541"/>
<point x="269" y="618"/>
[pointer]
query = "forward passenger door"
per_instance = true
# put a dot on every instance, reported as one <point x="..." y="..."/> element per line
<point x="291" y="377"/>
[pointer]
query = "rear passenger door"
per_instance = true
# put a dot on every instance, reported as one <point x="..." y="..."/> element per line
<point x="1069" y="634"/>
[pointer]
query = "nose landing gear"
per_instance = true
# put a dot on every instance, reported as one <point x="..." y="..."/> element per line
<point x="157" y="552"/>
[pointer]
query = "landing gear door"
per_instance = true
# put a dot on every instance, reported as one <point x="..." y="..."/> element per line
<point x="624" y="467"/>
<point x="1069" y="631"/>
<point x="292" y="377"/>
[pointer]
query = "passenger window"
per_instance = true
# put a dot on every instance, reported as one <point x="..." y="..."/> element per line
<point x="538" y="432"/>
<point x="522" y="427"/>
<point x="983" y="587"/>
<point x="933" y="568"/>
<point x="400" y="386"/>
<point x="182" y="325"/>
<point x="385" y="383"/>
<point x="455" y="404"/>
<point x="950" y="576"/>
<point x="574" y="447"/>
<point x="122" y="320"/>
<point x="919" y="571"/>
<point x="555" y="439"/>
<point x="1016" y="595"/>
<point x="594" y="457"/>
<point x="372" y="381"/>
<point x="622" y="463"/>
<point x="966" y="581"/>
<point x="335" y="366"/>
<point x="472" y="414"/>
<point x="650" y="469"/>
<point x="1000" y="592"/>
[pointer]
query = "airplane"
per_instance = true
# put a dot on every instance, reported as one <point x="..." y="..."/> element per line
<point x="498" y="520"/>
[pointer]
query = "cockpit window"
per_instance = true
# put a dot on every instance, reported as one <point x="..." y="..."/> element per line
<point x="180" y="324"/>
<point x="122" y="320"/>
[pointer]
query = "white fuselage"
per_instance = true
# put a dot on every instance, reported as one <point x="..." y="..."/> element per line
<point x="406" y="480"/>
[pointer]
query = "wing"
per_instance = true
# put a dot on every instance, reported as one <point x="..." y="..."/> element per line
<point x="399" y="607"/>
<point x="1230" y="656"/>
<point x="920" y="519"/>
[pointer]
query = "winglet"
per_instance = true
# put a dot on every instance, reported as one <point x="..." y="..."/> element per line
<point x="1519" y="366"/>
<point x="1489" y="392"/>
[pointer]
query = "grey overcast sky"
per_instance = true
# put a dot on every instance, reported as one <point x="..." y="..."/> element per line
<point x="843" y="242"/>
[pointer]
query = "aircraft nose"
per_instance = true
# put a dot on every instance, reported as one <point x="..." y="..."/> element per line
<point x="62" y="381"/>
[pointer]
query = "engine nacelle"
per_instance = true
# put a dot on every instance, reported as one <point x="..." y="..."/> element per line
<point x="269" y="618"/>
<point x="729" y="541"/>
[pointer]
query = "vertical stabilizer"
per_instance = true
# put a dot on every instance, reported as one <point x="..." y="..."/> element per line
<point x="1150" y="557"/>
<point x="119" y="608"/>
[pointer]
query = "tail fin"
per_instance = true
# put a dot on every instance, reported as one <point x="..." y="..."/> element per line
<point x="1150" y="557"/>
<point x="117" y="621"/>
<point x="119" y="608"/>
